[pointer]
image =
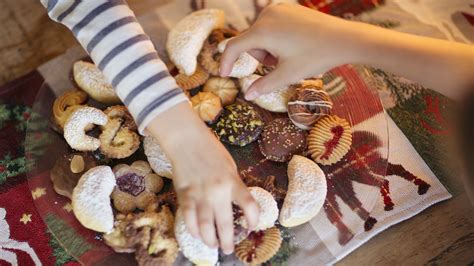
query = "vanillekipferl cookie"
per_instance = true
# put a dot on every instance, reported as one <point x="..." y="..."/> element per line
<point x="158" y="160"/>
<point x="329" y="140"/>
<point x="244" y="65"/>
<point x="186" y="38"/>
<point x="281" y="139"/>
<point x="309" y="103"/>
<point x="259" y="247"/>
<point x="240" y="124"/>
<point x="91" y="80"/>
<point x="268" y="209"/>
<point x="306" y="193"/>
<point x="91" y="199"/>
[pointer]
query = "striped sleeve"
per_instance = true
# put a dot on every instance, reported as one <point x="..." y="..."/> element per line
<point x="117" y="44"/>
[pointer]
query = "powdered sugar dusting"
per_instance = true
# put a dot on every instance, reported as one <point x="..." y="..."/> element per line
<point x="245" y="64"/>
<point x="193" y="249"/>
<point x="268" y="208"/>
<point x="307" y="190"/>
<point x="157" y="158"/>
<point x="74" y="129"/>
<point x="185" y="40"/>
<point x="91" y="199"/>
<point x="275" y="101"/>
<point x="94" y="82"/>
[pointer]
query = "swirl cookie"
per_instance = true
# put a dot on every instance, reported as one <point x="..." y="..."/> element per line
<point x="307" y="190"/>
<point x="186" y="38"/>
<point x="245" y="65"/>
<point x="275" y="101"/>
<point x="309" y="103"/>
<point x="118" y="139"/>
<point x="210" y="56"/>
<point x="280" y="140"/>
<point x="207" y="105"/>
<point x="193" y="249"/>
<point x="76" y="125"/>
<point x="259" y="247"/>
<point x="157" y="158"/>
<point x="66" y="104"/>
<point x="137" y="186"/>
<point x="91" y="80"/>
<point x="329" y="140"/>
<point x="68" y="169"/>
<point x="224" y="88"/>
<point x="240" y="124"/>
<point x="91" y="199"/>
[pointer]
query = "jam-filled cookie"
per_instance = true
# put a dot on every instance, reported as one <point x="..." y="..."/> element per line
<point x="259" y="247"/>
<point x="137" y="186"/>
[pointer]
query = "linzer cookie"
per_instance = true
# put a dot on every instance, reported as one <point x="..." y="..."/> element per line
<point x="329" y="140"/>
<point x="280" y="140"/>
<point x="239" y="125"/>
<point x="136" y="186"/>
<point x="309" y="104"/>
<point x="259" y="246"/>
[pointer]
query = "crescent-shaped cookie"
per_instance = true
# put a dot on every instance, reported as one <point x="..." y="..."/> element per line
<point x="186" y="38"/>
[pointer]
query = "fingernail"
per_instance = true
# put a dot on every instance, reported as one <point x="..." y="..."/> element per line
<point x="228" y="252"/>
<point x="251" y="95"/>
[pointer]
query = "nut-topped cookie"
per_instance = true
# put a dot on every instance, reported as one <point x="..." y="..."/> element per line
<point x="240" y="124"/>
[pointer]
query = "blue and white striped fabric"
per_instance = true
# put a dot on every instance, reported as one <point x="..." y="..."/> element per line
<point x="117" y="44"/>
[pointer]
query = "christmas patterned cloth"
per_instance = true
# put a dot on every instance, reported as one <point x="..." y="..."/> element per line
<point x="416" y="120"/>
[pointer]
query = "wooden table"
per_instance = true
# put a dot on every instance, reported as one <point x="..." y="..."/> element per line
<point x="442" y="234"/>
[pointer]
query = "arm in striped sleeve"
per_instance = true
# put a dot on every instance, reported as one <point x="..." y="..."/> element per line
<point x="117" y="44"/>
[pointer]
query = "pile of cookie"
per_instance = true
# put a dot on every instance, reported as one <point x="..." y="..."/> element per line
<point x="128" y="202"/>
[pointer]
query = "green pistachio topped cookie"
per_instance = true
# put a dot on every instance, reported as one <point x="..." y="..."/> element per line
<point x="239" y="125"/>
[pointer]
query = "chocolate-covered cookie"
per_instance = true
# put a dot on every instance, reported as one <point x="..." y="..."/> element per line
<point x="281" y="139"/>
<point x="239" y="125"/>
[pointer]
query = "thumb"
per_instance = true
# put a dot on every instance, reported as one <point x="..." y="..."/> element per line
<point x="237" y="45"/>
<point x="275" y="80"/>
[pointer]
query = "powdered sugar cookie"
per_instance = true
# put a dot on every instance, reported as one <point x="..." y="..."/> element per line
<point x="66" y="104"/>
<point x="275" y="101"/>
<point x="78" y="121"/>
<point x="157" y="158"/>
<point x="186" y="38"/>
<point x="91" y="80"/>
<point x="268" y="209"/>
<point x="91" y="199"/>
<point x="245" y="64"/>
<point x="307" y="190"/>
<point x="193" y="249"/>
<point x="210" y="57"/>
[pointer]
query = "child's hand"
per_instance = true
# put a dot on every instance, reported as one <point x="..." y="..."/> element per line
<point x="299" y="41"/>
<point x="205" y="177"/>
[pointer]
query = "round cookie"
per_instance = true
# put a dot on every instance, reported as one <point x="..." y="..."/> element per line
<point x="259" y="247"/>
<point x="329" y="140"/>
<point x="309" y="103"/>
<point x="207" y="105"/>
<point x="91" y="199"/>
<point x="281" y="139"/>
<point x="240" y="124"/>
<point x="307" y="190"/>
<point x="77" y="124"/>
<point x="224" y="88"/>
